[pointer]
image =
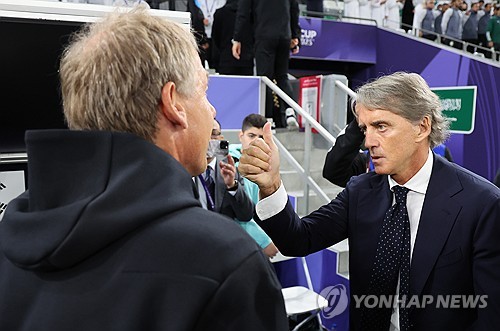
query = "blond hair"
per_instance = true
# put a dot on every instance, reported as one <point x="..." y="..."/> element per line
<point x="113" y="72"/>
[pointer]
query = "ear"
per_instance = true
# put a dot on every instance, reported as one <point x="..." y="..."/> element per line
<point x="424" y="128"/>
<point x="240" y="135"/>
<point x="172" y="107"/>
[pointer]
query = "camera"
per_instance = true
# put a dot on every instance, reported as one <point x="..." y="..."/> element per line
<point x="218" y="149"/>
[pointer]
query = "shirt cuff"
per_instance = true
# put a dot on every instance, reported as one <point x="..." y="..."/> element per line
<point x="273" y="204"/>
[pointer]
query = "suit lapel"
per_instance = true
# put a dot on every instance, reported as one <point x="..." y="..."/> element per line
<point x="219" y="188"/>
<point x="368" y="211"/>
<point x="438" y="216"/>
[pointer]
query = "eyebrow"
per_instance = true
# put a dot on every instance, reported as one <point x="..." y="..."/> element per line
<point x="374" y="123"/>
<point x="377" y="123"/>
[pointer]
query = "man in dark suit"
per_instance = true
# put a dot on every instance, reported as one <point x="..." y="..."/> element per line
<point x="276" y="33"/>
<point x="223" y="192"/>
<point x="445" y="252"/>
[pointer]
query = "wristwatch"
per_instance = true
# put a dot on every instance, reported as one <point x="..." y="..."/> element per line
<point x="234" y="187"/>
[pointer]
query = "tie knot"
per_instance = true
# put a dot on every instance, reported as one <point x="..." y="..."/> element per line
<point x="208" y="176"/>
<point x="400" y="194"/>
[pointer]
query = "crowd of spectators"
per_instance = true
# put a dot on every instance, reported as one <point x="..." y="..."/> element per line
<point x="457" y="21"/>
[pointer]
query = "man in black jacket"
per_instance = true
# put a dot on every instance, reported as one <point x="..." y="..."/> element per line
<point x="110" y="235"/>
<point x="222" y="35"/>
<point x="276" y="32"/>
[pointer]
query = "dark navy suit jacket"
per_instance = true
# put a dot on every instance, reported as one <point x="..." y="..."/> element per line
<point x="456" y="252"/>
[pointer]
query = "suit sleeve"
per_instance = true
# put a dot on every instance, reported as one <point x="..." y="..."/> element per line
<point x="243" y="20"/>
<point x="486" y="265"/>
<point x="217" y="29"/>
<point x="322" y="228"/>
<point x="294" y="20"/>
<point x="344" y="159"/>
<point x="249" y="299"/>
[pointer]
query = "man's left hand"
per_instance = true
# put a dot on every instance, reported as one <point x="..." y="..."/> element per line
<point x="228" y="171"/>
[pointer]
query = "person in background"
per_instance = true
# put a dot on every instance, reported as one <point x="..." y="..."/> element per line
<point x="220" y="187"/>
<point x="419" y="221"/>
<point x="222" y="34"/>
<point x="208" y="8"/>
<point x="393" y="16"/>
<point x="198" y="29"/>
<point x="365" y="11"/>
<point x="378" y="11"/>
<point x="451" y="24"/>
<point x="111" y="234"/>
<point x="276" y="33"/>
<point x="351" y="9"/>
<point x="251" y="129"/>
<point x="493" y="30"/>
<point x="424" y="20"/>
<point x="482" y="26"/>
<point x="407" y="14"/>
<point x="439" y="18"/>
<point x="470" y="27"/>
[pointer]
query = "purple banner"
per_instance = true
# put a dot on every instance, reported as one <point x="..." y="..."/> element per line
<point x="337" y="41"/>
<point x="234" y="97"/>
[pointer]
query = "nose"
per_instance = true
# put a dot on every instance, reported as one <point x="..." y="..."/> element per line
<point x="212" y="110"/>
<point x="370" y="139"/>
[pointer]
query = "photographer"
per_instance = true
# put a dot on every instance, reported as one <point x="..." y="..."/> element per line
<point x="221" y="188"/>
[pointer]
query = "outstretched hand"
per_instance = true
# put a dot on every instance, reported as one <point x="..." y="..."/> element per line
<point x="260" y="163"/>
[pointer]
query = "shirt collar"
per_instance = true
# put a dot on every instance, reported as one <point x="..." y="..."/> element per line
<point x="212" y="163"/>
<point x="419" y="182"/>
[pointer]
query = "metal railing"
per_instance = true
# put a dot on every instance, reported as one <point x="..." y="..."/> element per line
<point x="6" y="158"/>
<point x="309" y="123"/>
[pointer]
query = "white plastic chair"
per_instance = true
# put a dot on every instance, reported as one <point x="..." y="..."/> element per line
<point x="300" y="299"/>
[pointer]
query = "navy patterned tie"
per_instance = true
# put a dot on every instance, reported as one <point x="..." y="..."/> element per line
<point x="392" y="259"/>
<point x="209" y="181"/>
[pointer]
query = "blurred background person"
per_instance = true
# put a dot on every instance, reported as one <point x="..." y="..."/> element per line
<point x="493" y="30"/>
<point x="439" y="18"/>
<point x="365" y="11"/>
<point x="198" y="29"/>
<point x="222" y="35"/>
<point x="482" y="26"/>
<point x="393" y="14"/>
<point x="276" y="33"/>
<point x="451" y="25"/>
<point x="470" y="27"/>
<point x="351" y="9"/>
<point x="424" y="20"/>
<point x="208" y="8"/>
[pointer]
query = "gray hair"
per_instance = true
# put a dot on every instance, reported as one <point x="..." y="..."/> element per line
<point x="409" y="96"/>
<point x="113" y="72"/>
